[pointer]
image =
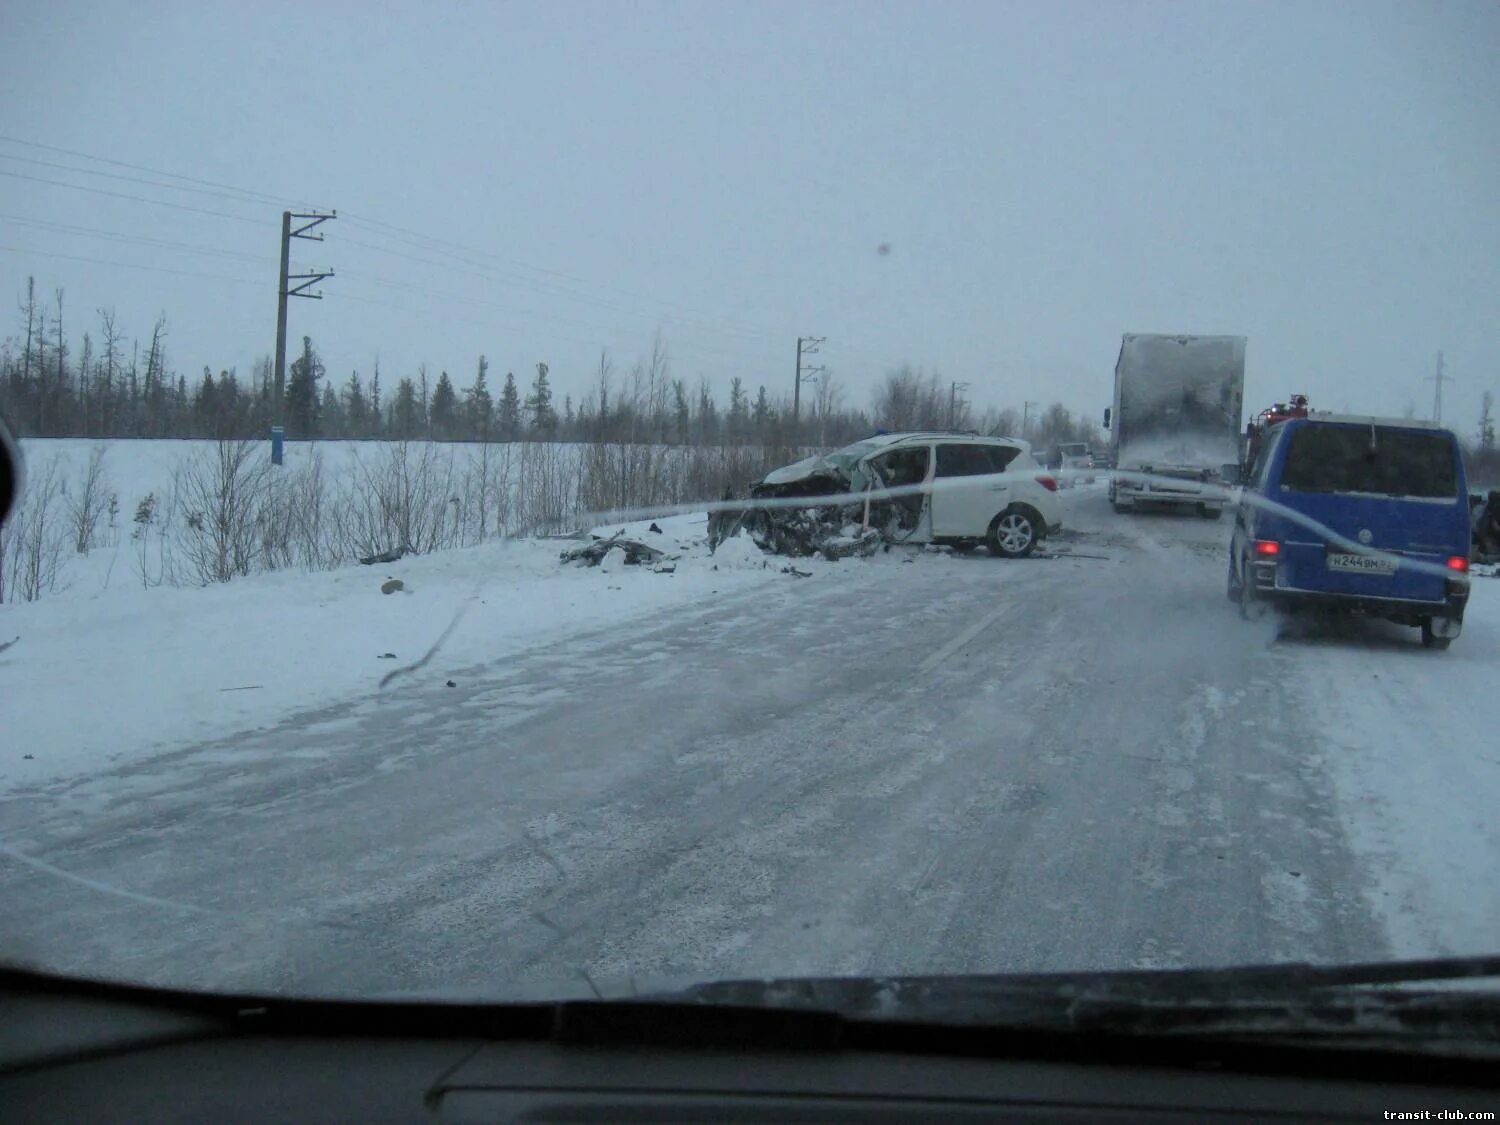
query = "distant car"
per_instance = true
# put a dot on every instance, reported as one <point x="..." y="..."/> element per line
<point x="959" y="489"/>
<point x="1075" y="457"/>
<point x="1360" y="514"/>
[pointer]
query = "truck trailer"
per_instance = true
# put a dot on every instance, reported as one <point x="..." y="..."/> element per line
<point x="1175" y="424"/>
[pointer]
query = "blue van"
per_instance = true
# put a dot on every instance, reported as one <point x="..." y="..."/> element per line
<point x="1367" y="515"/>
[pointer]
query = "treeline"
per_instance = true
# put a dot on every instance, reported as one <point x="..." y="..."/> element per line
<point x="118" y="387"/>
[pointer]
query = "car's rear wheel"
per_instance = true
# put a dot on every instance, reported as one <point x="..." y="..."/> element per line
<point x="1431" y="639"/>
<point x="1233" y="584"/>
<point x="1013" y="533"/>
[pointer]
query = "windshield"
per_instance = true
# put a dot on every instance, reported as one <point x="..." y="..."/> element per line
<point x="1379" y="460"/>
<point x="530" y="498"/>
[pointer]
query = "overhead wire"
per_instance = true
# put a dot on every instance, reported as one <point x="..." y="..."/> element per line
<point x="129" y="265"/>
<point x="390" y="230"/>
<point x="136" y="198"/>
<point x="212" y="193"/>
<point x="438" y="245"/>
<point x="534" y="286"/>
<point x="141" y="240"/>
<point x="249" y="192"/>
<point x="475" y="260"/>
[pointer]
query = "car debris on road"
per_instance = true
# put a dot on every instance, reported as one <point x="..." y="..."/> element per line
<point x="636" y="553"/>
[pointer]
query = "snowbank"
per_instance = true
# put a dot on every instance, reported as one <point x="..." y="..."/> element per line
<point x="107" y="673"/>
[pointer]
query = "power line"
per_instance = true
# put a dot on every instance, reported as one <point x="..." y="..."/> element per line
<point x="514" y="310"/>
<point x="429" y="243"/>
<point x="128" y="265"/>
<point x="137" y="198"/>
<point x="141" y="240"/>
<point x="261" y="196"/>
<point x="127" y="179"/>
<point x="465" y="254"/>
<point x="550" y="288"/>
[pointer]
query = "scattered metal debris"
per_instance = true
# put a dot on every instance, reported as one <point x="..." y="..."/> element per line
<point x="391" y="585"/>
<point x="636" y="552"/>
<point x="794" y="572"/>
<point x="386" y="656"/>
<point x="383" y="557"/>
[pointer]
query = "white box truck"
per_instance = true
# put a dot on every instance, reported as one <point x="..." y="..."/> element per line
<point x="1174" y="428"/>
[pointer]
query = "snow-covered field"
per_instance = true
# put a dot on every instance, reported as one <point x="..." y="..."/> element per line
<point x="97" y="677"/>
<point x="916" y="762"/>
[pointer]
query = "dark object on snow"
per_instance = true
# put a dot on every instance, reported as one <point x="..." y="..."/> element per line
<point x="864" y="544"/>
<point x="383" y="557"/>
<point x="665" y="568"/>
<point x="1485" y="520"/>
<point x="452" y="684"/>
<point x="654" y="528"/>
<point x="28" y="757"/>
<point x="391" y="585"/>
<point x="386" y="656"/>
<point x="7" y="644"/>
<point x="795" y="573"/>
<point x="593" y="553"/>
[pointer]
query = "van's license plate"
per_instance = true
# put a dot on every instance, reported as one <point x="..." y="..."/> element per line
<point x="1361" y="564"/>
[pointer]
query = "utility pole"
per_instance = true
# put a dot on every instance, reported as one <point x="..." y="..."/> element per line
<point x="1025" y="415"/>
<point x="1437" y="394"/>
<point x="953" y="389"/>
<point x="286" y="289"/>
<point x="806" y="345"/>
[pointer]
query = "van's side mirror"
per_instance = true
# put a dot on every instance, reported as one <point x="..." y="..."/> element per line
<point x="1106" y="417"/>
<point x="10" y="471"/>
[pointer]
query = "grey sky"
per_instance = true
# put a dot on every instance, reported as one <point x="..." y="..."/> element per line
<point x="1323" y="178"/>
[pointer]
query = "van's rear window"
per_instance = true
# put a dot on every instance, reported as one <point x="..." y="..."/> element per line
<point x="1388" y="461"/>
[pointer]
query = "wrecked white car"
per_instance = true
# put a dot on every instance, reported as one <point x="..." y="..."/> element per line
<point x="947" y="488"/>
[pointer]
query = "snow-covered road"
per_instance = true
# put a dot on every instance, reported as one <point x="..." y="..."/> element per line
<point x="916" y="763"/>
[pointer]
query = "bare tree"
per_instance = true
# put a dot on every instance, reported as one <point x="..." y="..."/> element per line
<point x="90" y="503"/>
<point x="222" y="492"/>
<point x="33" y="539"/>
<point x="109" y="370"/>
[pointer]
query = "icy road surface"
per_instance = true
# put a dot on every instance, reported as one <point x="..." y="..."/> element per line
<point x="940" y="765"/>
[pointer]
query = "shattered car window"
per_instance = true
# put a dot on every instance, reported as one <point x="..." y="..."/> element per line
<point x="850" y="456"/>
<point x="902" y="467"/>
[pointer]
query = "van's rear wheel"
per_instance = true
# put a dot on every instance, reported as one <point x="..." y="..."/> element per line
<point x="1252" y="606"/>
<point x="1431" y="639"/>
